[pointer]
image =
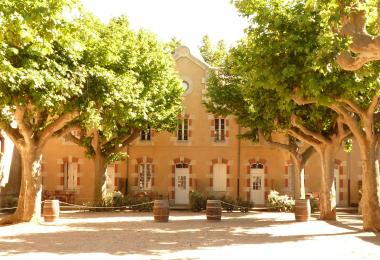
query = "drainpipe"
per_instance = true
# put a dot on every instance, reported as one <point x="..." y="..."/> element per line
<point x="127" y="171"/>
<point x="349" y="178"/>
<point x="238" y="162"/>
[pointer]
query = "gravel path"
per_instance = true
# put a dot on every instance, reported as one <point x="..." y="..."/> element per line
<point x="131" y="235"/>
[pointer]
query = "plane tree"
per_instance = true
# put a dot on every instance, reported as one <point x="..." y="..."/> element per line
<point x="41" y="84"/>
<point x="134" y="87"/>
<point x="289" y="47"/>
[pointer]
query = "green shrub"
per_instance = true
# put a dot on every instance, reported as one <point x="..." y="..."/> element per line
<point x="244" y="204"/>
<point x="147" y="206"/>
<point x="280" y="203"/>
<point x="197" y="201"/>
<point x="231" y="202"/>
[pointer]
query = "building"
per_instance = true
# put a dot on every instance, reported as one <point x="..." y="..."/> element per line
<point x="204" y="154"/>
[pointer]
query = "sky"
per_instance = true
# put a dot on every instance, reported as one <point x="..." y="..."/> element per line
<point x="187" y="20"/>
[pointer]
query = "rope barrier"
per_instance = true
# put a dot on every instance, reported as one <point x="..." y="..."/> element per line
<point x="235" y="206"/>
<point x="1" y="209"/>
<point x="103" y="207"/>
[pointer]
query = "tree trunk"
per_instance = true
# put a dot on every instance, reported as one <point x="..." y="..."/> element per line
<point x="100" y="187"/>
<point x="370" y="201"/>
<point x="327" y="193"/>
<point x="299" y="179"/>
<point x="29" y="201"/>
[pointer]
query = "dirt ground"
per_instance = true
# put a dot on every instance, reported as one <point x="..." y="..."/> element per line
<point x="131" y="235"/>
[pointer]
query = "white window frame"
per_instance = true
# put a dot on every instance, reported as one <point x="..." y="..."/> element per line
<point x="219" y="177"/>
<point x="145" y="135"/>
<point x="183" y="130"/>
<point x="220" y="129"/>
<point x="145" y="176"/>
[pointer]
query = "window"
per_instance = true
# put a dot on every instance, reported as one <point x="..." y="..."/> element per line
<point x="256" y="184"/>
<point x="185" y="86"/>
<point x="257" y="166"/>
<point x="183" y="130"/>
<point x="145" y="176"/>
<point x="220" y="129"/>
<point x="220" y="177"/>
<point x="182" y="165"/>
<point x="70" y="176"/>
<point x="145" y="135"/>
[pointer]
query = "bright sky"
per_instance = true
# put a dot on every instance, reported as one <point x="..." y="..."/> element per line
<point x="187" y="20"/>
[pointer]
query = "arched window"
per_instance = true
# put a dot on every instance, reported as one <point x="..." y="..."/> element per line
<point x="257" y="165"/>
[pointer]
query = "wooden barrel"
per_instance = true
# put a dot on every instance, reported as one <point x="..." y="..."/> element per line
<point x="51" y="210"/>
<point x="302" y="210"/>
<point x="214" y="210"/>
<point x="161" y="211"/>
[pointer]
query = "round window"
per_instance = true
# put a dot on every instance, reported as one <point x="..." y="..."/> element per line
<point x="185" y="86"/>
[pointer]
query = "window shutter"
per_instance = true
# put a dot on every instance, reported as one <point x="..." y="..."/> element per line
<point x="228" y="182"/>
<point x="189" y="133"/>
<point x="78" y="181"/>
<point x="248" y="169"/>
<point x="116" y="168"/>
<point x="62" y="180"/>
<point x="227" y="122"/>
<point x="173" y="182"/>
<point x="152" y="181"/>
<point x="211" y="169"/>
<point x="286" y="183"/>
<point x="211" y="182"/>
<point x="341" y="183"/>
<point x="189" y="122"/>
<point x="190" y="169"/>
<point x="191" y="182"/>
<point x="173" y="168"/>
<point x="228" y="169"/>
<point x="286" y="169"/>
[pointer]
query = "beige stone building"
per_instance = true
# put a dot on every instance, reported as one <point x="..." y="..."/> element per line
<point x="204" y="154"/>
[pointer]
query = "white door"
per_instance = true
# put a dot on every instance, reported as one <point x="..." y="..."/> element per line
<point x="182" y="186"/>
<point x="336" y="184"/>
<point x="257" y="186"/>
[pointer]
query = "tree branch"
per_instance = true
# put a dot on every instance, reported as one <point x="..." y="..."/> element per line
<point x="373" y="106"/>
<point x="72" y="138"/>
<point x="23" y="127"/>
<point x="306" y="138"/>
<point x="349" y="120"/>
<point x="307" y="154"/>
<point x="365" y="46"/>
<point x="55" y="126"/>
<point x="12" y="133"/>
<point x="306" y="131"/>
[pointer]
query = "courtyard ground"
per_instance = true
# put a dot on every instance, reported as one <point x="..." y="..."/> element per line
<point x="133" y="235"/>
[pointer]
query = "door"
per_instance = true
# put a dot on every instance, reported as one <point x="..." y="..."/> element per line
<point x="182" y="186"/>
<point x="257" y="186"/>
<point x="336" y="184"/>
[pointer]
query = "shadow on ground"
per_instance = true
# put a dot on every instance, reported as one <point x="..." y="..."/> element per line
<point x="131" y="233"/>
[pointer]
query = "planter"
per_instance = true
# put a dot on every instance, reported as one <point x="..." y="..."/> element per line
<point x="214" y="210"/>
<point x="302" y="210"/>
<point x="161" y="211"/>
<point x="51" y="210"/>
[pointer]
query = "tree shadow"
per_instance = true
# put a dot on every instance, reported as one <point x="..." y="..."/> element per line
<point x="121" y="234"/>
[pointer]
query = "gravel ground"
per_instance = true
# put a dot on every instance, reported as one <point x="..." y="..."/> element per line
<point x="131" y="235"/>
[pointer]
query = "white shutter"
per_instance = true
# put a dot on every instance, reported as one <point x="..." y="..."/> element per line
<point x="110" y="178"/>
<point x="72" y="176"/>
<point x="220" y="177"/>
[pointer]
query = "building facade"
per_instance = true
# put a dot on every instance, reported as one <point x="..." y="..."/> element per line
<point x="203" y="154"/>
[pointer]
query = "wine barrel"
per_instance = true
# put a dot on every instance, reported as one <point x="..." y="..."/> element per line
<point x="214" y="210"/>
<point x="51" y="210"/>
<point x="302" y="210"/>
<point x="161" y="211"/>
